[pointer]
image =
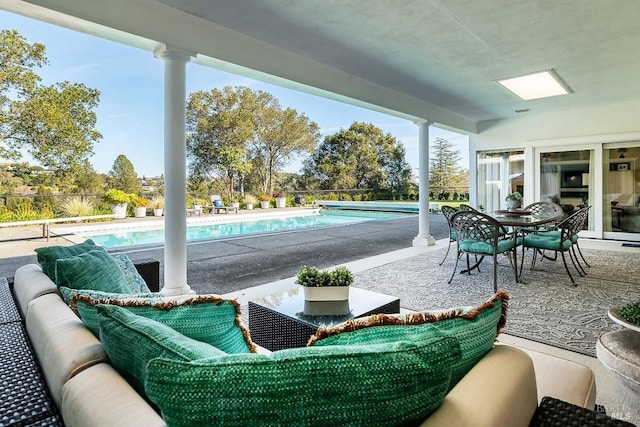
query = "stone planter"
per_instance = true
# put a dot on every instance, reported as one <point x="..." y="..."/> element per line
<point x="249" y="206"/>
<point x="119" y="210"/>
<point x="264" y="205"/>
<point x="157" y="212"/>
<point x="326" y="293"/>
<point x="281" y="202"/>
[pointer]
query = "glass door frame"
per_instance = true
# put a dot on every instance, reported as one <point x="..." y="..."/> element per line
<point x="617" y="235"/>
<point x="595" y="190"/>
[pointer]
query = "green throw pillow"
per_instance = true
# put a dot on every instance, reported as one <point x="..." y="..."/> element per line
<point x="95" y="270"/>
<point x="47" y="256"/>
<point x="134" y="279"/>
<point x="475" y="329"/>
<point x="69" y="293"/>
<point x="397" y="383"/>
<point x="206" y="318"/>
<point x="131" y="341"/>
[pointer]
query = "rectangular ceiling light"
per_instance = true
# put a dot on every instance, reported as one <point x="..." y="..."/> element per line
<point x="542" y="84"/>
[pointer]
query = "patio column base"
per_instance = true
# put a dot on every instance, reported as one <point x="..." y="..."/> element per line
<point x="182" y="290"/>
<point x="427" y="240"/>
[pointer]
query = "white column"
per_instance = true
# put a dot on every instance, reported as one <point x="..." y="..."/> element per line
<point x="175" y="172"/>
<point x="423" y="238"/>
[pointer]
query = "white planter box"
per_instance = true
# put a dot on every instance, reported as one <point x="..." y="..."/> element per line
<point x="281" y="202"/>
<point x="264" y="205"/>
<point x="326" y="293"/>
<point x="119" y="210"/>
<point x="157" y="212"/>
<point x="140" y="212"/>
<point x="249" y="206"/>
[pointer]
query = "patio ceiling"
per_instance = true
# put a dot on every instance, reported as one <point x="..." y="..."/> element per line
<point x="435" y="60"/>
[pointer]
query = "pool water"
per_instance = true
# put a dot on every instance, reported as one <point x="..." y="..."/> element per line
<point x="242" y="228"/>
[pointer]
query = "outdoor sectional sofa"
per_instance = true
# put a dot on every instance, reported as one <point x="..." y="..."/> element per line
<point x="503" y="388"/>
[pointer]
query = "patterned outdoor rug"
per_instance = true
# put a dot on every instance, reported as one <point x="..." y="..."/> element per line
<point x="546" y="308"/>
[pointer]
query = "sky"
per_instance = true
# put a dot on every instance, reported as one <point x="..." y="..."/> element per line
<point x="130" y="111"/>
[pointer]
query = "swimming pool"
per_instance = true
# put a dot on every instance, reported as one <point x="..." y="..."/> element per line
<point x="132" y="237"/>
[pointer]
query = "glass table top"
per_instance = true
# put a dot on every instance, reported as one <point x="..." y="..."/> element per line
<point x="291" y="303"/>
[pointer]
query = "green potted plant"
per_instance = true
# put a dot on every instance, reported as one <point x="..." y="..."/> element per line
<point x="325" y="285"/>
<point x="157" y="204"/>
<point x="281" y="199"/>
<point x="514" y="200"/>
<point x="139" y="205"/>
<point x="264" y="200"/>
<point x="249" y="201"/>
<point x="118" y="201"/>
<point x="234" y="201"/>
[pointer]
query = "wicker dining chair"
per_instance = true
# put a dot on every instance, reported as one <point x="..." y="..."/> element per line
<point x="480" y="234"/>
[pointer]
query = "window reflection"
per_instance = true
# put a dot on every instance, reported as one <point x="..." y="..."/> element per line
<point x="621" y="189"/>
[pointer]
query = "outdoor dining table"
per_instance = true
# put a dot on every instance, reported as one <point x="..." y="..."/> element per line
<point x="520" y="218"/>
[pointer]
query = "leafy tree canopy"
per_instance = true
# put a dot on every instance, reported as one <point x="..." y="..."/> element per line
<point x="359" y="157"/>
<point x="55" y="124"/>
<point x="123" y="176"/>
<point x="236" y="135"/>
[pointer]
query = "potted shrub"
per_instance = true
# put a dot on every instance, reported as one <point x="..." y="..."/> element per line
<point x="157" y="204"/>
<point x="281" y="200"/>
<point x="514" y="201"/>
<point x="325" y="285"/>
<point x="234" y="201"/>
<point x="118" y="201"/>
<point x="139" y="205"/>
<point x="264" y="201"/>
<point x="249" y="200"/>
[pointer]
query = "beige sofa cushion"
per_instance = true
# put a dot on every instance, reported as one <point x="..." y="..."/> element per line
<point x="564" y="379"/>
<point x="85" y="398"/>
<point x="500" y="390"/>
<point x="30" y="283"/>
<point x="63" y="345"/>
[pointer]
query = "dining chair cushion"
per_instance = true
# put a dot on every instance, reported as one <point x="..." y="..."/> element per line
<point x="475" y="329"/>
<point x="557" y="234"/>
<point x="206" y="318"/>
<point x="392" y="383"/>
<point x="47" y="256"/>
<point x="95" y="269"/>
<point x="131" y="341"/>
<point x="485" y="248"/>
<point x="547" y="242"/>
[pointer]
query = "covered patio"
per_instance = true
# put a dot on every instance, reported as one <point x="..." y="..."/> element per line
<point x="435" y="63"/>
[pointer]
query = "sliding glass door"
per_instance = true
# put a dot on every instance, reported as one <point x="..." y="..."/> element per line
<point x="567" y="178"/>
<point x="621" y="178"/>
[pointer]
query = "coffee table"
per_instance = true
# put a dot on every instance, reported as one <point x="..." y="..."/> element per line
<point x="285" y="320"/>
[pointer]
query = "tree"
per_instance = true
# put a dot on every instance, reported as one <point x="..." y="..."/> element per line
<point x="236" y="135"/>
<point x="123" y="176"/>
<point x="359" y="157"/>
<point x="279" y="136"/>
<point x="443" y="166"/>
<point x="219" y="127"/>
<point x="55" y="124"/>
<point x="398" y="170"/>
<point x="87" y="181"/>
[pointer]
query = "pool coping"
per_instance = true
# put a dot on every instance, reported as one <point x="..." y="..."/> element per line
<point x="151" y="223"/>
